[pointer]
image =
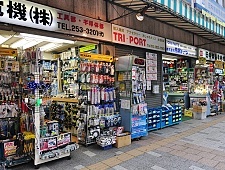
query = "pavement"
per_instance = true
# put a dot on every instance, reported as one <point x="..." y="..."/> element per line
<point x="190" y="145"/>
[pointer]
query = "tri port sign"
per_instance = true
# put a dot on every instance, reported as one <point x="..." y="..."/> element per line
<point x="127" y="36"/>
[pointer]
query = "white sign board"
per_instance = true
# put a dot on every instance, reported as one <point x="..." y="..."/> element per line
<point x="127" y="36"/>
<point x="180" y="48"/>
<point x="29" y="14"/>
<point x="125" y="104"/>
<point x="151" y="66"/>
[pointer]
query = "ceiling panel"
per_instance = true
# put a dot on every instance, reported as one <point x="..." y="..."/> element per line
<point x="17" y="38"/>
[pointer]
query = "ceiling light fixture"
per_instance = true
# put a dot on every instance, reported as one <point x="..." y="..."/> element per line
<point x="19" y="43"/>
<point x="31" y="44"/>
<point x="49" y="47"/>
<point x="170" y="59"/>
<point x="140" y="15"/>
<point x="4" y="39"/>
<point x="45" y="38"/>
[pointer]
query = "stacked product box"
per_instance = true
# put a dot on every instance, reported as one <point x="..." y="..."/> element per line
<point x="176" y="114"/>
<point x="163" y="117"/>
<point x="154" y="119"/>
<point x="199" y="112"/>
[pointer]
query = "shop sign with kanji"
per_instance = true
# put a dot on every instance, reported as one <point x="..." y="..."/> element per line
<point x="29" y="14"/>
<point x="123" y="35"/>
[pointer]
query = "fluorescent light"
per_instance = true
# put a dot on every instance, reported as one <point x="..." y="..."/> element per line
<point x="5" y="46"/>
<point x="3" y="39"/>
<point x="45" y="38"/>
<point x="25" y="43"/>
<point x="50" y="46"/>
<point x="19" y="43"/>
<point x="31" y="44"/>
<point x="172" y="59"/>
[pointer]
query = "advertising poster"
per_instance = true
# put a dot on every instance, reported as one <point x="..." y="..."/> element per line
<point x="9" y="148"/>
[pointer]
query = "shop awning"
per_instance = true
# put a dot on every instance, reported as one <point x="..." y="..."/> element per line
<point x="164" y="14"/>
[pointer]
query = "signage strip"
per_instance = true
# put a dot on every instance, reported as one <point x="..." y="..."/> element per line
<point x="127" y="36"/>
<point x="180" y="48"/>
<point x="96" y="57"/>
<point x="30" y="14"/>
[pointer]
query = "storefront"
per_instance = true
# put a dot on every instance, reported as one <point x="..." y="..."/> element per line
<point x="130" y="44"/>
<point x="178" y="72"/>
<point x="208" y="89"/>
<point x="53" y="81"/>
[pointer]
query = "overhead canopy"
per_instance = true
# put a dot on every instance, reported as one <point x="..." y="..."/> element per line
<point x="164" y="14"/>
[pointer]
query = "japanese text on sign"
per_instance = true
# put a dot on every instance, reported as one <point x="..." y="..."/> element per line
<point x="131" y="37"/>
<point x="24" y="13"/>
<point x="180" y="48"/>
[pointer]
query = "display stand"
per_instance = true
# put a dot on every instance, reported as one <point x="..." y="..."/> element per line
<point x="97" y="100"/>
<point x="55" y="145"/>
<point x="11" y="153"/>
<point x="131" y="84"/>
<point x="37" y="157"/>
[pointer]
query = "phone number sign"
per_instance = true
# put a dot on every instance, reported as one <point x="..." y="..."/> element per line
<point x="83" y="26"/>
<point x="29" y="14"/>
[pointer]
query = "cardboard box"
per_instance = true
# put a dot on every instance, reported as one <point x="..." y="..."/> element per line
<point x="195" y="108"/>
<point x="199" y="109"/>
<point x="199" y="116"/>
<point x="122" y="141"/>
<point x="202" y="109"/>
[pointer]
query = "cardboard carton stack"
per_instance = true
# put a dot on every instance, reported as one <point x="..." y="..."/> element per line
<point x="123" y="138"/>
<point x="199" y="112"/>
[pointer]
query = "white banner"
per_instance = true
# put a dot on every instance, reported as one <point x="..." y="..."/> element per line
<point x="29" y="14"/>
<point x="127" y="36"/>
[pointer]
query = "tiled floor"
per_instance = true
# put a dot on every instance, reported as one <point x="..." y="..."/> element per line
<point x="191" y="145"/>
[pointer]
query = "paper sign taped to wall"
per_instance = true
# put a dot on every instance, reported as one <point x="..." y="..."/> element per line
<point x="149" y="85"/>
<point x="125" y="104"/>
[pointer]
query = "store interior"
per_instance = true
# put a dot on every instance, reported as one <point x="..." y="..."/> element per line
<point x="192" y="82"/>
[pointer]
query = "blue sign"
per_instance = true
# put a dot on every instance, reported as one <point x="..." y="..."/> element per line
<point x="180" y="48"/>
<point x="212" y="8"/>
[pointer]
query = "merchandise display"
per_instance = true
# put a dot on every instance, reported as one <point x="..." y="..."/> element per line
<point x="70" y="68"/>
<point x="175" y="75"/>
<point x="15" y="122"/>
<point x="48" y="134"/>
<point x="203" y="79"/>
<point x="178" y="81"/>
<point x="26" y="131"/>
<point x="131" y="82"/>
<point x="98" y="116"/>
